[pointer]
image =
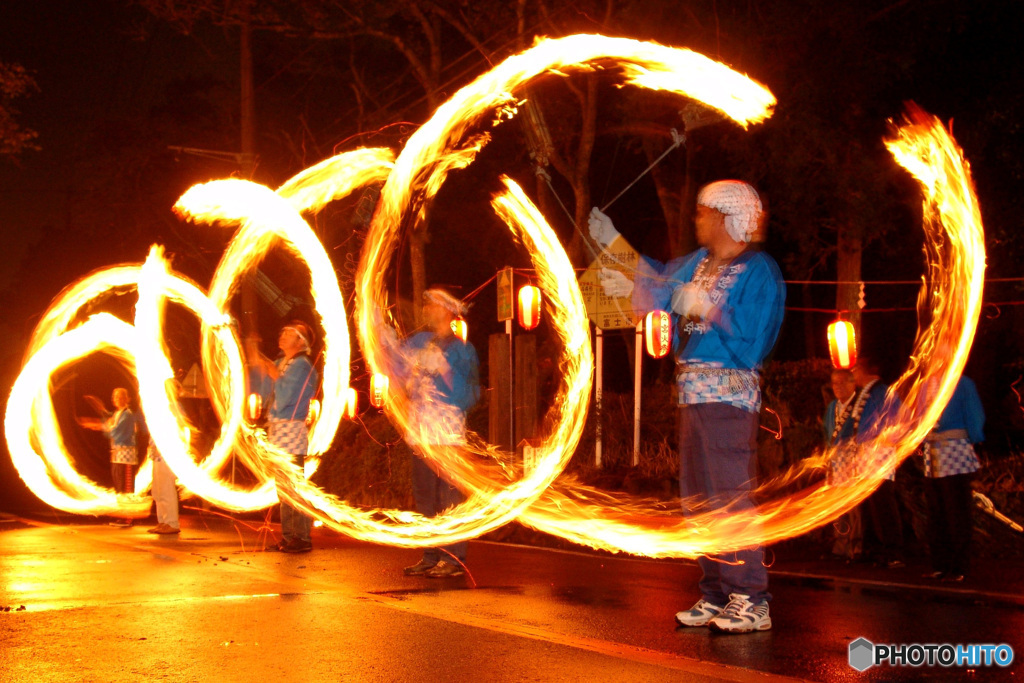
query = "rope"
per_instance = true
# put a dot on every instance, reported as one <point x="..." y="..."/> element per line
<point x="677" y="140"/>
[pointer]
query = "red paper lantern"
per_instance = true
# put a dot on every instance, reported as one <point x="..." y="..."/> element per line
<point x="379" y="389"/>
<point x="658" y="333"/>
<point x="461" y="329"/>
<point x="351" y="403"/>
<point x="314" y="412"/>
<point x="529" y="307"/>
<point x="254" y="406"/>
<point x="842" y="344"/>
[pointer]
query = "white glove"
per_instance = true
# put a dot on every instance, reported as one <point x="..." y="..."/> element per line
<point x="601" y="228"/>
<point x="433" y="361"/>
<point x="690" y="301"/>
<point x="615" y="283"/>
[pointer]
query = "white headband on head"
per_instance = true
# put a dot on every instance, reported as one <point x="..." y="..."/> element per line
<point x="738" y="201"/>
<point x="299" y="332"/>
<point x="445" y="301"/>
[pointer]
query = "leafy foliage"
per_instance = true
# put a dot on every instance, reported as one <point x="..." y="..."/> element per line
<point x="15" y="82"/>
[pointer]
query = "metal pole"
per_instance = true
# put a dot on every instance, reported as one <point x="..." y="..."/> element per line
<point x="598" y="391"/>
<point x="637" y="381"/>
<point x="511" y="390"/>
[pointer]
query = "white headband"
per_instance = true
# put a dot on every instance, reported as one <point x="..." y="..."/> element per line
<point x="302" y="336"/>
<point x="738" y="201"/>
<point x="445" y="301"/>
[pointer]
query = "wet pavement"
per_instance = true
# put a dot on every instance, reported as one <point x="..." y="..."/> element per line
<point x="84" y="601"/>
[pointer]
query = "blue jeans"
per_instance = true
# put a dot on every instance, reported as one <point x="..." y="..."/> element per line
<point x="295" y="525"/>
<point x="433" y="496"/>
<point x="718" y="464"/>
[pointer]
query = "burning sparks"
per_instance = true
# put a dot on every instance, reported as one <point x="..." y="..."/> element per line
<point x="36" y="446"/>
<point x="497" y="488"/>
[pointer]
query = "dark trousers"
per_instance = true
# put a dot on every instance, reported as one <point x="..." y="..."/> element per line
<point x="883" y="514"/>
<point x="433" y="496"/>
<point x="949" y="522"/>
<point x="124" y="477"/>
<point x="718" y="464"/>
<point x="295" y="524"/>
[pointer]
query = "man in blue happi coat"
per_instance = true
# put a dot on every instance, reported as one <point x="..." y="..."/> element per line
<point x="728" y="300"/>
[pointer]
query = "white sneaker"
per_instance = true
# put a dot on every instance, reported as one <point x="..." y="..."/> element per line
<point x="742" y="616"/>
<point x="698" y="615"/>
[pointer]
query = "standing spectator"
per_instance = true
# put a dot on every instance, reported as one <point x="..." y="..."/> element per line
<point x="295" y="381"/>
<point x="119" y="425"/>
<point x="728" y="300"/>
<point x="849" y="531"/>
<point x="949" y="466"/>
<point x="441" y="375"/>
<point x="165" y="494"/>
<point x="881" y="508"/>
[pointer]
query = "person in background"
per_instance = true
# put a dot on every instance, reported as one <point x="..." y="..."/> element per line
<point x="881" y="508"/>
<point x="441" y="376"/>
<point x="728" y="300"/>
<point x="849" y="531"/>
<point x="119" y="425"/>
<point x="950" y="462"/>
<point x="165" y="494"/>
<point x="295" y="382"/>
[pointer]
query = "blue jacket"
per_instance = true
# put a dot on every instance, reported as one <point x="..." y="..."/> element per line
<point x="122" y="432"/>
<point x="751" y="312"/>
<point x="964" y="411"/>
<point x="463" y="361"/>
<point x="294" y="389"/>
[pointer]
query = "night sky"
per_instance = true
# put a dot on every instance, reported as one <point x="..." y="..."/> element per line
<point x="109" y="105"/>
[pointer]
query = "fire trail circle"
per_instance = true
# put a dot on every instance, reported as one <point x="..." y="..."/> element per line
<point x="498" y="491"/>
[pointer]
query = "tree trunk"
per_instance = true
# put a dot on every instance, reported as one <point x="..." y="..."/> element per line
<point x="850" y="243"/>
<point x="417" y="260"/>
<point x="580" y="179"/>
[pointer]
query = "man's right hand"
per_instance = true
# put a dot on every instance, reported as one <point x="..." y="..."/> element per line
<point x="615" y="283"/>
<point x="602" y="230"/>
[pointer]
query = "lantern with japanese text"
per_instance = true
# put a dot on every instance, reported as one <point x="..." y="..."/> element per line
<point x="351" y="403"/>
<point x="842" y="344"/>
<point x="379" y="389"/>
<point x="460" y="329"/>
<point x="658" y="333"/>
<point x="529" y="307"/>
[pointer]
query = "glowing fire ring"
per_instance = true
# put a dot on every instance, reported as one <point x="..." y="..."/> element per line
<point x="577" y="513"/>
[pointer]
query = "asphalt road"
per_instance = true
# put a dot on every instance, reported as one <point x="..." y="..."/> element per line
<point x="84" y="601"/>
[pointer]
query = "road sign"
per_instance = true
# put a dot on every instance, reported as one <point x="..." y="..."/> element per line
<point x="506" y="309"/>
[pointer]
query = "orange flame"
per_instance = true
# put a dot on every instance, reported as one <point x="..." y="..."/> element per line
<point x="498" y="490"/>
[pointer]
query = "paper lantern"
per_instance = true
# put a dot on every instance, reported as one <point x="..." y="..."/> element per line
<point x="842" y="344"/>
<point x="658" y="333"/>
<point x="254" y="406"/>
<point x="351" y="403"/>
<point x="314" y="411"/>
<point x="529" y="307"/>
<point x="379" y="389"/>
<point x="461" y="329"/>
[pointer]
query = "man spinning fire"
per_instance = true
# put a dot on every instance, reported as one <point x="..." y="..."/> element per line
<point x="727" y="300"/>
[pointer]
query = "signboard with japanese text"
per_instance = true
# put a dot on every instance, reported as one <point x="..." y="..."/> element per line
<point x="611" y="313"/>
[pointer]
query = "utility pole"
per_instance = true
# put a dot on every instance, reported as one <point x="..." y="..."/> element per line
<point x="250" y="327"/>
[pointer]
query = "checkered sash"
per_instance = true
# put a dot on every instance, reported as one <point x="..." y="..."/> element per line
<point x="291" y="436"/>
<point x="709" y="384"/>
<point x="944" y="457"/>
<point x="124" y="455"/>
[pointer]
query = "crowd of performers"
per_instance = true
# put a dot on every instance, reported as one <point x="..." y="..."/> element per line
<point x="727" y="299"/>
